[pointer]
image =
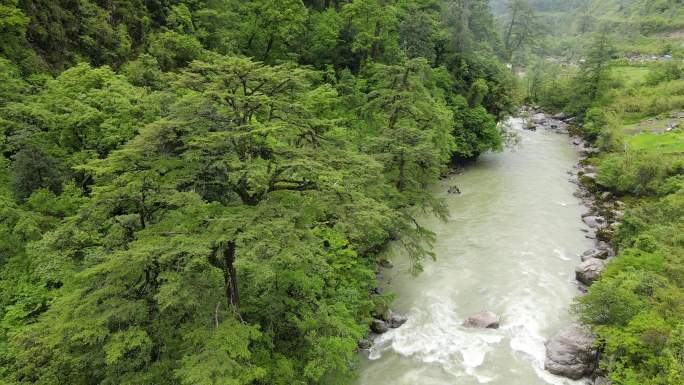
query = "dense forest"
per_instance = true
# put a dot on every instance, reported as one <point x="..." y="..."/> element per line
<point x="198" y="191"/>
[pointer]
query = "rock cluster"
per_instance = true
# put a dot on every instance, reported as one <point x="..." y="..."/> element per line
<point x="385" y="322"/>
<point x="535" y="119"/>
<point x="602" y="218"/>
<point x="382" y="324"/>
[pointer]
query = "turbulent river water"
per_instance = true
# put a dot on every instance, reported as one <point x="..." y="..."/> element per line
<point x="510" y="246"/>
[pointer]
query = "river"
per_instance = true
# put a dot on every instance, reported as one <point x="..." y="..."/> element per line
<point x="510" y="246"/>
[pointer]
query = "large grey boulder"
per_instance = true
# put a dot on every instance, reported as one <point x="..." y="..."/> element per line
<point x="571" y="353"/>
<point x="483" y="320"/>
<point x="590" y="270"/>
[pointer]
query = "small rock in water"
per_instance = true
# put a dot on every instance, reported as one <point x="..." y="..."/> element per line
<point x="485" y="320"/>
<point x="571" y="353"/>
<point x="365" y="344"/>
<point x="379" y="326"/>
<point x="454" y="190"/>
<point x="386" y="264"/>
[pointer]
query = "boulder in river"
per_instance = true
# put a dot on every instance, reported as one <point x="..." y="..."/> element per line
<point x="484" y="320"/>
<point x="395" y="320"/>
<point x="590" y="270"/>
<point x="365" y="344"/>
<point x="386" y="263"/>
<point x="571" y="353"/>
<point x="379" y="326"/>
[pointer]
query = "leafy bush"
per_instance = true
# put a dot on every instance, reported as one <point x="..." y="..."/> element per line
<point x="636" y="172"/>
<point x="665" y="72"/>
<point x="595" y="121"/>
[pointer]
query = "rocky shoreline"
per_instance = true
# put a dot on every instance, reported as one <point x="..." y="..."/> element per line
<point x="572" y="352"/>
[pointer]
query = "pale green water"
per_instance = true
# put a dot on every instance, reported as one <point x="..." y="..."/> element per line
<point x="510" y="246"/>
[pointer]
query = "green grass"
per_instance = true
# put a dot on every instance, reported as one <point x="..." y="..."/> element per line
<point x="631" y="75"/>
<point x="668" y="143"/>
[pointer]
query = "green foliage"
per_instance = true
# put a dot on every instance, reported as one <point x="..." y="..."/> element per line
<point x="204" y="197"/>
<point x="595" y="121"/>
<point x="665" y="72"/>
<point x="174" y="50"/>
<point x="475" y="131"/>
<point x="636" y="172"/>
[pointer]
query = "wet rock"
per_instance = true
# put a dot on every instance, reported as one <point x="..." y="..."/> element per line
<point x="606" y="195"/>
<point x="618" y="214"/>
<point x="364" y="344"/>
<point x="454" y="190"/>
<point x="560" y="116"/>
<point x="395" y="320"/>
<point x="588" y="178"/>
<point x="484" y="320"/>
<point x="387" y="264"/>
<point x="594" y="222"/>
<point x="589" y="271"/>
<point x="577" y="142"/>
<point x="607" y="248"/>
<point x="379" y="326"/>
<point x="594" y="253"/>
<point x="571" y="353"/>
<point x="601" y="381"/>
<point x="539" y="119"/>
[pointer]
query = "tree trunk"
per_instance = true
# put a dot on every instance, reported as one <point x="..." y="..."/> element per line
<point x="376" y="44"/>
<point x="230" y="277"/>
<point x="269" y="46"/>
<point x="401" y="184"/>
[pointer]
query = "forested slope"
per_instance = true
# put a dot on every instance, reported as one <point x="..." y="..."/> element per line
<point x="197" y="192"/>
